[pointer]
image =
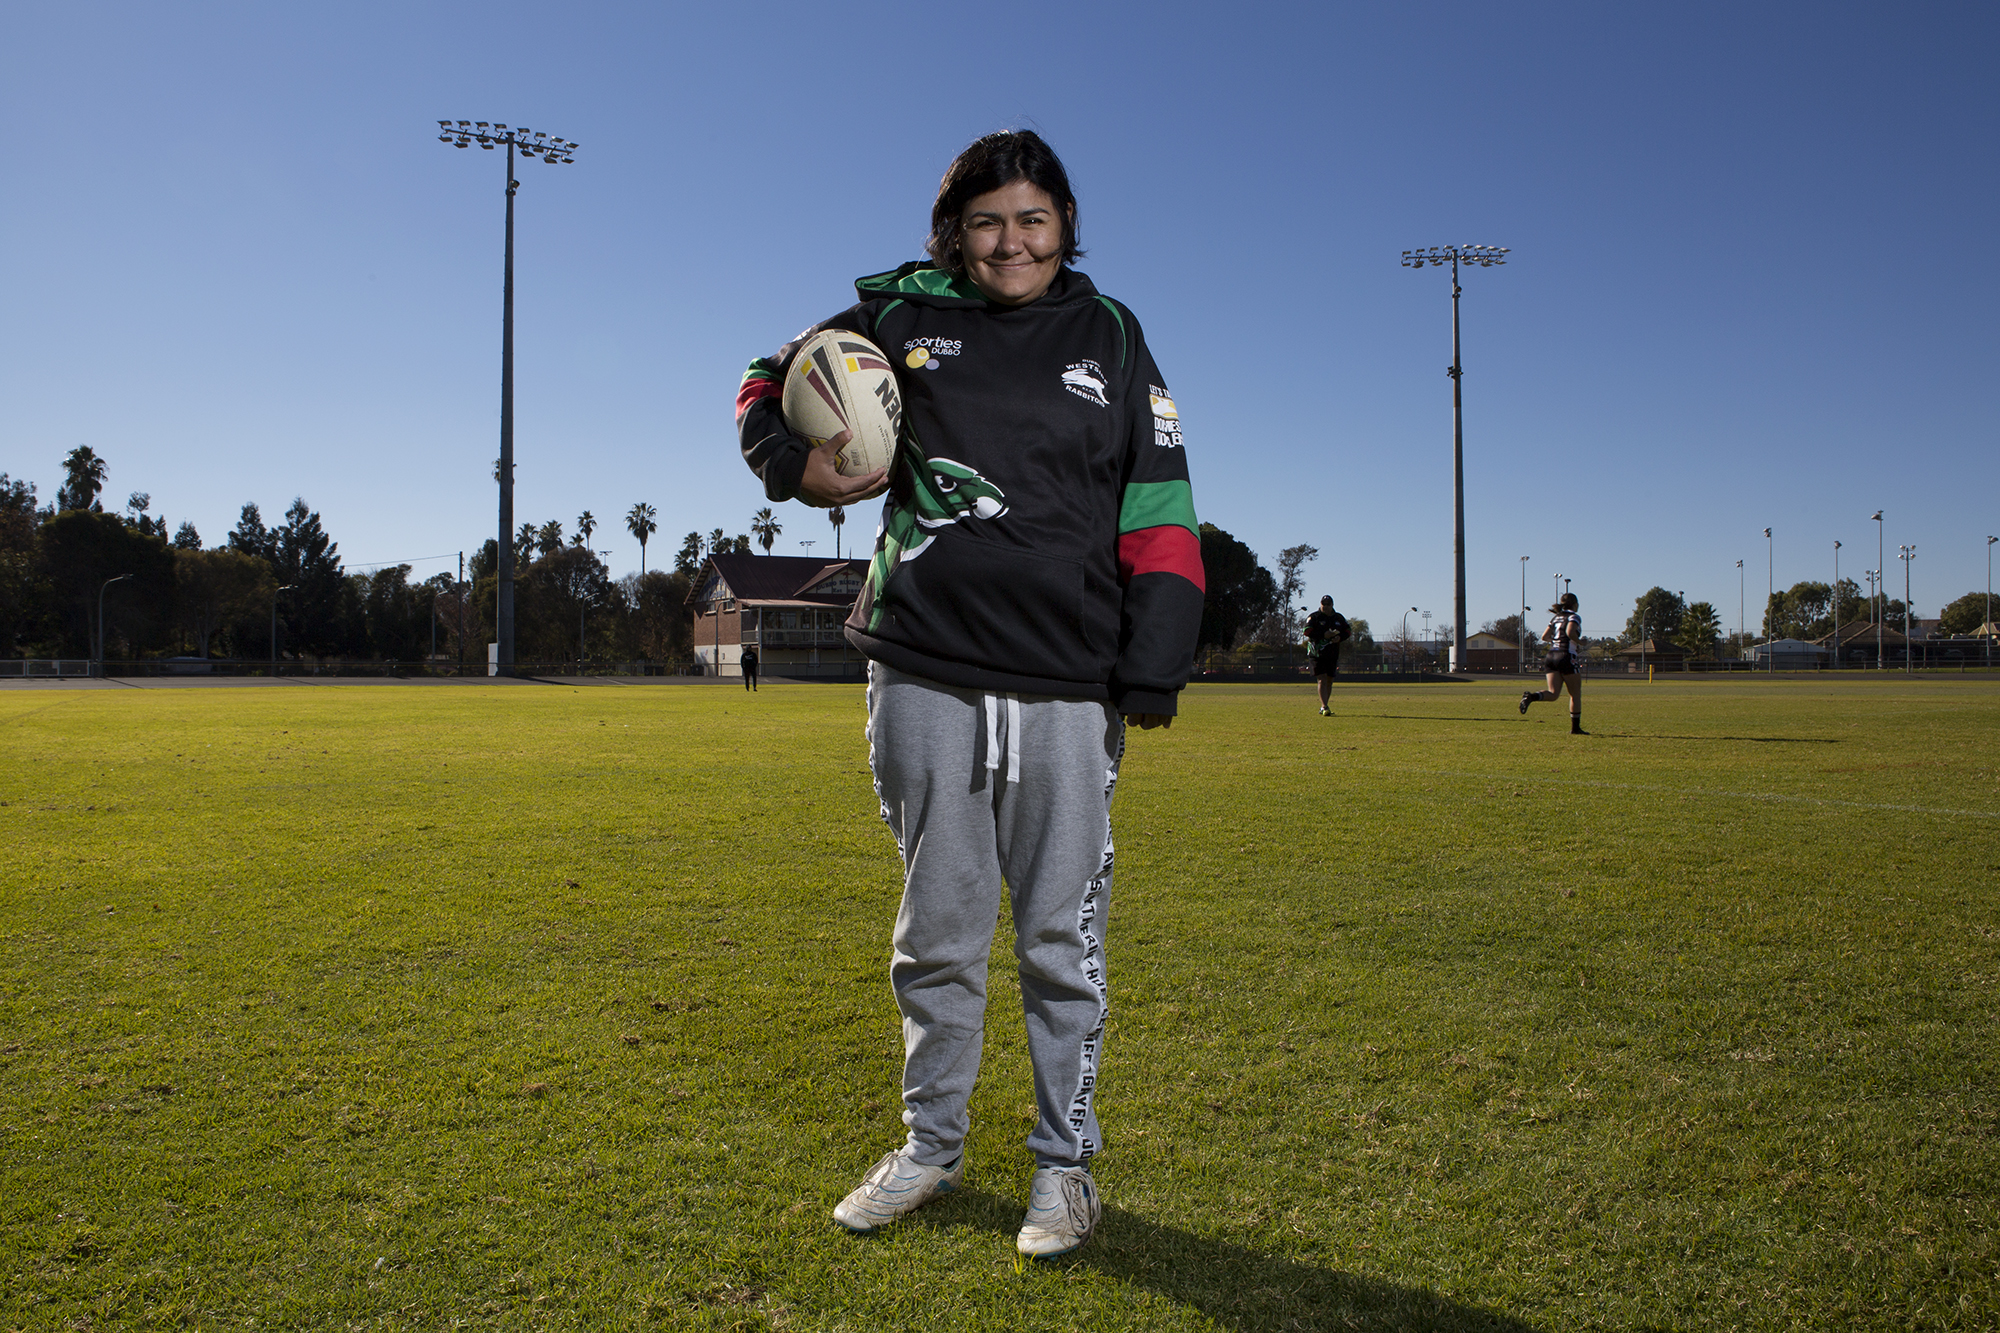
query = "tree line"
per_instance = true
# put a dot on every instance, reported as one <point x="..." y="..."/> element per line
<point x="282" y="588"/>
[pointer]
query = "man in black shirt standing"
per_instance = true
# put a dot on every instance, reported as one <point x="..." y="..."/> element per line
<point x="749" y="668"/>
<point x="1326" y="630"/>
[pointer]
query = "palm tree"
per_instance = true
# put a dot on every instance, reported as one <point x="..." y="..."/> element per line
<point x="718" y="543"/>
<point x="765" y="524"/>
<point x="84" y="479"/>
<point x="838" y="517"/>
<point x="586" y="523"/>
<point x="549" y="539"/>
<point x="641" y="525"/>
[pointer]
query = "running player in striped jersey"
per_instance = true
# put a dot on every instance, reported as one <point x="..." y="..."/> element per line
<point x="1564" y="662"/>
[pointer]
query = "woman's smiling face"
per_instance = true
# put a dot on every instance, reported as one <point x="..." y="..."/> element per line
<point x="1011" y="240"/>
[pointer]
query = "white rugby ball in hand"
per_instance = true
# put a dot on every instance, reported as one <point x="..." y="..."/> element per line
<point x="838" y="382"/>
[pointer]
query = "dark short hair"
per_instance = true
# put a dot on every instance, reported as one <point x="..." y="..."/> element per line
<point x="987" y="165"/>
<point x="1326" y="601"/>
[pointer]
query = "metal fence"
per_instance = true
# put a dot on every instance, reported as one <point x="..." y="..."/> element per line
<point x="52" y="668"/>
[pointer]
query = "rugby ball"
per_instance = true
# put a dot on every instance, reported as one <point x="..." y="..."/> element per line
<point x="840" y="381"/>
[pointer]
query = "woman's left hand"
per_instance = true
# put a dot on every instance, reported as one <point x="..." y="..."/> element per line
<point x="1147" y="721"/>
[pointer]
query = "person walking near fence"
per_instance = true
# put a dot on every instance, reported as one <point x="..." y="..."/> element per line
<point x="750" y="668"/>
<point x="1564" y="662"/>
<point x="1326" y="630"/>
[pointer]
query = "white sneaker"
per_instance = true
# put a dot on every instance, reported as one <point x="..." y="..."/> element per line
<point x="893" y="1187"/>
<point x="1062" y="1211"/>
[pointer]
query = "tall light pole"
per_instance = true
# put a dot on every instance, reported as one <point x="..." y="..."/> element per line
<point x="1521" y="634"/>
<point x="116" y="578"/>
<point x="1881" y="569"/>
<point x="1836" y="604"/>
<point x="1906" y="555"/>
<point x="535" y="143"/>
<point x="1485" y="256"/>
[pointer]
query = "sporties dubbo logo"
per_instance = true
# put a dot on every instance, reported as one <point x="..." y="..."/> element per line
<point x="923" y="353"/>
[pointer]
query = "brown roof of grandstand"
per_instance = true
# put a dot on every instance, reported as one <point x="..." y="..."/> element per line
<point x="778" y="578"/>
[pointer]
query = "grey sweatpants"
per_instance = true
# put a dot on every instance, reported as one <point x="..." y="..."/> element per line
<point x="980" y="788"/>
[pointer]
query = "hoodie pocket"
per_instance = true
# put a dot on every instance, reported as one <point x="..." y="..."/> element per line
<point x="992" y="605"/>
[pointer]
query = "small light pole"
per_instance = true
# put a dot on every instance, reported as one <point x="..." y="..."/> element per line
<point x="1770" y="597"/>
<point x="1988" y="635"/>
<point x="274" y="625"/>
<point x="808" y="545"/>
<point x="1485" y="256"/>
<point x="1403" y="640"/>
<point x="535" y="143"/>
<point x="1881" y="569"/>
<point x="116" y="578"/>
<point x="1874" y="577"/>
<point x="1907" y="554"/>
<point x="1739" y="609"/>
<point x="1836" y="604"/>
<point x="1521" y="633"/>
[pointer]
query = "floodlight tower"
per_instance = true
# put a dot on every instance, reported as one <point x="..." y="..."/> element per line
<point x="1485" y="256"/>
<point x="535" y="143"/>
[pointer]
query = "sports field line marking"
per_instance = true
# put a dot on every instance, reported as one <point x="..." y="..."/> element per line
<point x="1707" y="791"/>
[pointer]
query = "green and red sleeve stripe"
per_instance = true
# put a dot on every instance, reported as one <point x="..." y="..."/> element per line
<point x="759" y="381"/>
<point x="1157" y="533"/>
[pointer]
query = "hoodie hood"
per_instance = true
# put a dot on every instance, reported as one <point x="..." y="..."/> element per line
<point x="925" y="284"/>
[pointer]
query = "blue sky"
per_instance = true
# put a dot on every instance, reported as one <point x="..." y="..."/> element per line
<point x="1744" y="291"/>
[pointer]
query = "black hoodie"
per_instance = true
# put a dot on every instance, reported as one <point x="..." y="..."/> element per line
<point x="1039" y="536"/>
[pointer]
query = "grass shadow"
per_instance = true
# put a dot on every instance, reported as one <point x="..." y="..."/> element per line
<point x="1238" y="1287"/>
<point x="1739" y="740"/>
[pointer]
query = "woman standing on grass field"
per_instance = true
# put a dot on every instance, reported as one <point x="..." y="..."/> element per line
<point x="1055" y="598"/>
<point x="1564" y="662"/>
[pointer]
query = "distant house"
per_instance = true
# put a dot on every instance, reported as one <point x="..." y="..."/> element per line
<point x="789" y="607"/>
<point x="1857" y="644"/>
<point x="1490" y="652"/>
<point x="1791" y="655"/>
<point x="1655" y="652"/>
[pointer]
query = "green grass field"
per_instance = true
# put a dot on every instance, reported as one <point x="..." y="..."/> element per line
<point x="515" y="1006"/>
